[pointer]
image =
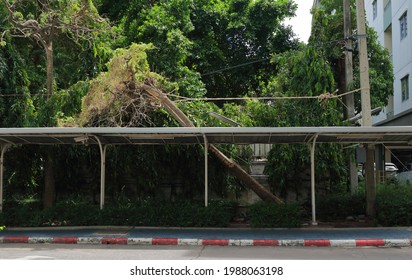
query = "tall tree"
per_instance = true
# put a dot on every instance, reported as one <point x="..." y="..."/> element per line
<point x="314" y="70"/>
<point x="43" y="20"/>
<point x="229" y="43"/>
<point x="306" y="75"/>
<point x="129" y="91"/>
<point x="328" y="35"/>
<point x="233" y="42"/>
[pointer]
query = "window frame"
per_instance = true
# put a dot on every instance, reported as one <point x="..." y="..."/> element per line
<point x="405" y="88"/>
<point x="375" y="9"/>
<point x="403" y="25"/>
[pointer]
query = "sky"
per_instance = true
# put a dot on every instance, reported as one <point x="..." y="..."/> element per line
<point x="301" y="23"/>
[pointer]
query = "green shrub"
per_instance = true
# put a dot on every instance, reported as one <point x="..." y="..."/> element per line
<point x="21" y="212"/>
<point x="340" y="206"/>
<point x="72" y="212"/>
<point x="165" y="213"/>
<point x="394" y="206"/>
<point x="272" y="215"/>
<point x="118" y="214"/>
<point x="2" y="223"/>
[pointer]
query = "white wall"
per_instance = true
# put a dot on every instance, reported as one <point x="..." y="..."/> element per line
<point x="401" y="49"/>
<point x="402" y="53"/>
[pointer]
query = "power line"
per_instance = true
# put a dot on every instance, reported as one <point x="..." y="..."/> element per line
<point x="233" y="67"/>
<point x="321" y="97"/>
<point x="337" y="41"/>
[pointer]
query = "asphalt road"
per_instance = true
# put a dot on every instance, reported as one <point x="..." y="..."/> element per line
<point x="214" y="233"/>
<point x="164" y="252"/>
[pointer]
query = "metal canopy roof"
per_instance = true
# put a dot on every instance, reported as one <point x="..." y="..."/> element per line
<point x="396" y="135"/>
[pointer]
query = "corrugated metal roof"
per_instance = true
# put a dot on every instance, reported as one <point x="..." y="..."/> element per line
<point x="397" y="135"/>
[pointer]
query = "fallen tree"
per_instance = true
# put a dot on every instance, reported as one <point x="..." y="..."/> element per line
<point x="127" y="93"/>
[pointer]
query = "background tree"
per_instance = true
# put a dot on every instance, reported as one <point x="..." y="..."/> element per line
<point x="221" y="46"/>
<point x="327" y="34"/>
<point x="314" y="70"/>
<point x="44" y="22"/>
<point x="304" y="73"/>
<point x="203" y="48"/>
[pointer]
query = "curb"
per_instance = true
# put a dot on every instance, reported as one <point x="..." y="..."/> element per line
<point x="348" y="243"/>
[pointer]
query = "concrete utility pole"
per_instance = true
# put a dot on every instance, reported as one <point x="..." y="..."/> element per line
<point x="366" y="107"/>
<point x="349" y="100"/>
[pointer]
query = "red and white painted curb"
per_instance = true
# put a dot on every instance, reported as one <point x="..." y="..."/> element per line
<point x="209" y="242"/>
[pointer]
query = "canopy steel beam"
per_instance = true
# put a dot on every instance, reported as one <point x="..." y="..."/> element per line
<point x="206" y="170"/>
<point x="102" y="149"/>
<point x="3" y="150"/>
<point x="312" y="179"/>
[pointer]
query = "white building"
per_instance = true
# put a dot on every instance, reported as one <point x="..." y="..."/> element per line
<point x="391" y="20"/>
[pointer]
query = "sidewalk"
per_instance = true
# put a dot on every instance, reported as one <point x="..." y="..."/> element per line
<point x="321" y="237"/>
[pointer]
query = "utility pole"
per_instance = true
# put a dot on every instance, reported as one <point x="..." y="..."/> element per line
<point x="349" y="99"/>
<point x="366" y="107"/>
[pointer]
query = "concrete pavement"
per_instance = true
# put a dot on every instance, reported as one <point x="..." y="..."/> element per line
<point x="319" y="237"/>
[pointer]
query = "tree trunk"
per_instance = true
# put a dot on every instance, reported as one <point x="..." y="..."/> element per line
<point x="49" y="67"/>
<point x="349" y="100"/>
<point x="233" y="167"/>
<point x="49" y="181"/>
<point x="243" y="176"/>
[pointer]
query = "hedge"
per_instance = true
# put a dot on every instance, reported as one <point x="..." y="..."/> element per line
<point x="270" y="215"/>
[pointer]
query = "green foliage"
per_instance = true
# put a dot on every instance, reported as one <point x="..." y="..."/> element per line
<point x="76" y="29"/>
<point x="115" y="97"/>
<point x="166" y="25"/>
<point x="289" y="164"/>
<point x="21" y="211"/>
<point x="196" y="46"/>
<point x="60" y="108"/>
<point x="74" y="211"/>
<point x="231" y="33"/>
<point x="380" y="73"/>
<point x="77" y="211"/>
<point x="275" y="215"/>
<point x="16" y="106"/>
<point x="327" y="34"/>
<point x="335" y="206"/>
<point x="203" y="36"/>
<point x="22" y="177"/>
<point x="302" y="73"/>
<point x="176" y="214"/>
<point x="394" y="206"/>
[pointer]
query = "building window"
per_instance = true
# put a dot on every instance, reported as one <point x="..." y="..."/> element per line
<point x="375" y="9"/>
<point x="405" y="88"/>
<point x="404" y="25"/>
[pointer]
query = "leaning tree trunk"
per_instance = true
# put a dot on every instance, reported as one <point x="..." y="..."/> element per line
<point x="232" y="166"/>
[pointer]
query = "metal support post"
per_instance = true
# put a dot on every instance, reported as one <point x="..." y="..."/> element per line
<point x="3" y="150"/>
<point x="206" y="170"/>
<point x="102" y="149"/>
<point x="312" y="179"/>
